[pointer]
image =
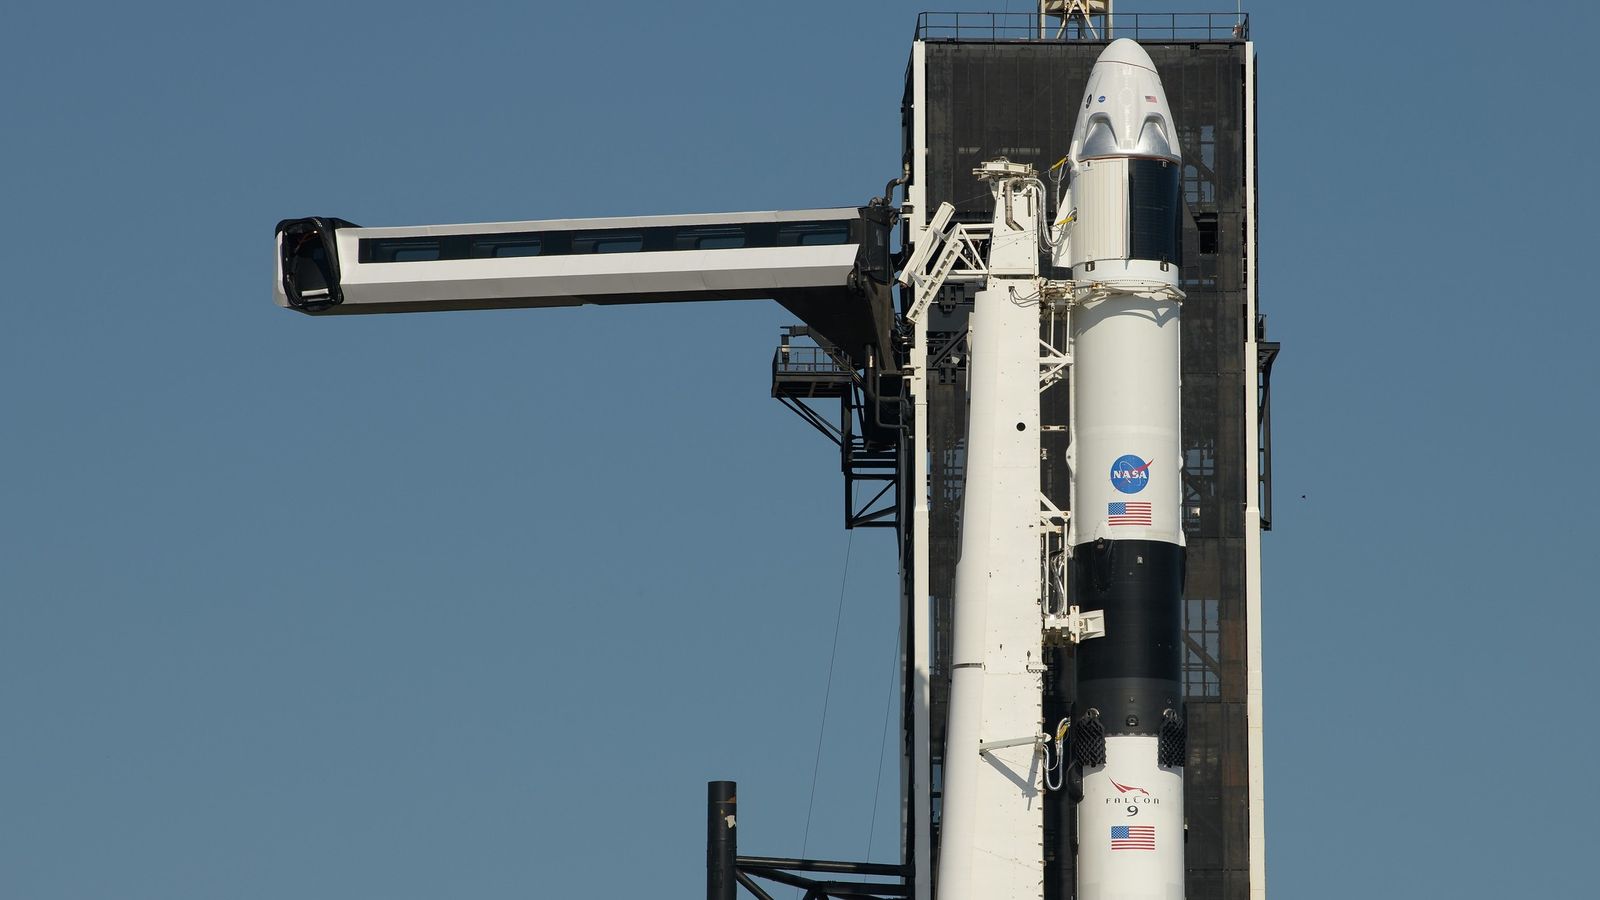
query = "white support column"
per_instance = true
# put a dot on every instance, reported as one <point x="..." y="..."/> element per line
<point x="920" y="641"/>
<point x="1252" y="510"/>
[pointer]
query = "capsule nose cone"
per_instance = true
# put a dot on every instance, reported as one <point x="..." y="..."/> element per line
<point x="1124" y="111"/>
<point x="1123" y="50"/>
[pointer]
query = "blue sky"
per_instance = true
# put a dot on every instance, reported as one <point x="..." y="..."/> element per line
<point x="474" y="605"/>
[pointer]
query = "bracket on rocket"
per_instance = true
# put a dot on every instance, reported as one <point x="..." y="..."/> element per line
<point x="1038" y="740"/>
<point x="1074" y="626"/>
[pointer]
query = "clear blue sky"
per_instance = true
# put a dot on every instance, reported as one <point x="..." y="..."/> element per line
<point x="473" y="605"/>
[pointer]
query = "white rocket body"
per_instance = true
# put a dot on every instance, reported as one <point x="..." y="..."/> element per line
<point x="1119" y="233"/>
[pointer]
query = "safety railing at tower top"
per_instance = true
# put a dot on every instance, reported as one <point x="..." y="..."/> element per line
<point x="1028" y="26"/>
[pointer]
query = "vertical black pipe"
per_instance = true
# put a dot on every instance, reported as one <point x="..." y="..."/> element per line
<point x="1060" y="856"/>
<point x="722" y="840"/>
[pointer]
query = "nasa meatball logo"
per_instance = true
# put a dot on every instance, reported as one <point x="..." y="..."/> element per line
<point x="1130" y="474"/>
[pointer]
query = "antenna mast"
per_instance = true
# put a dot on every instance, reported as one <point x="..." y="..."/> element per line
<point x="1076" y="11"/>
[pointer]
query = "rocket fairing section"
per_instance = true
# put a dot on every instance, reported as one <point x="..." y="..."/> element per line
<point x="1119" y="232"/>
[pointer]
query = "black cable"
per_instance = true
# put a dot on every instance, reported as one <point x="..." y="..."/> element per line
<point x="827" y="693"/>
<point x="883" y="742"/>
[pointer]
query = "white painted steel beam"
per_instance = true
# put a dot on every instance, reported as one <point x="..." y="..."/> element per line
<point x="370" y="281"/>
<point x="921" y="640"/>
<point x="1255" y="744"/>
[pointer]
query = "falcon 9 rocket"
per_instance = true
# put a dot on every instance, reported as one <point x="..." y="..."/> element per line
<point x="1120" y="233"/>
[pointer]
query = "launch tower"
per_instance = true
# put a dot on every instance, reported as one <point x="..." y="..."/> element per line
<point x="925" y="432"/>
<point x="986" y="85"/>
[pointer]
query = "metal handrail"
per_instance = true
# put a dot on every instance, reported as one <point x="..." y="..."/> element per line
<point x="793" y="359"/>
<point x="1025" y="27"/>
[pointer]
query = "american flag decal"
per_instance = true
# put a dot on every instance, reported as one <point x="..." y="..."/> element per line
<point x="1149" y="99"/>
<point x="1133" y="837"/>
<point x="1132" y="512"/>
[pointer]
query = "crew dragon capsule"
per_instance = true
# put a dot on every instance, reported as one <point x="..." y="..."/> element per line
<point x="1119" y="231"/>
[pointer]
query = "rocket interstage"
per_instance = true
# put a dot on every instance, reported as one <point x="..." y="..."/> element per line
<point x="1119" y="231"/>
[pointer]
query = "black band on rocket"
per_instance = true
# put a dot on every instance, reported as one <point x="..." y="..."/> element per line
<point x="1133" y="675"/>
